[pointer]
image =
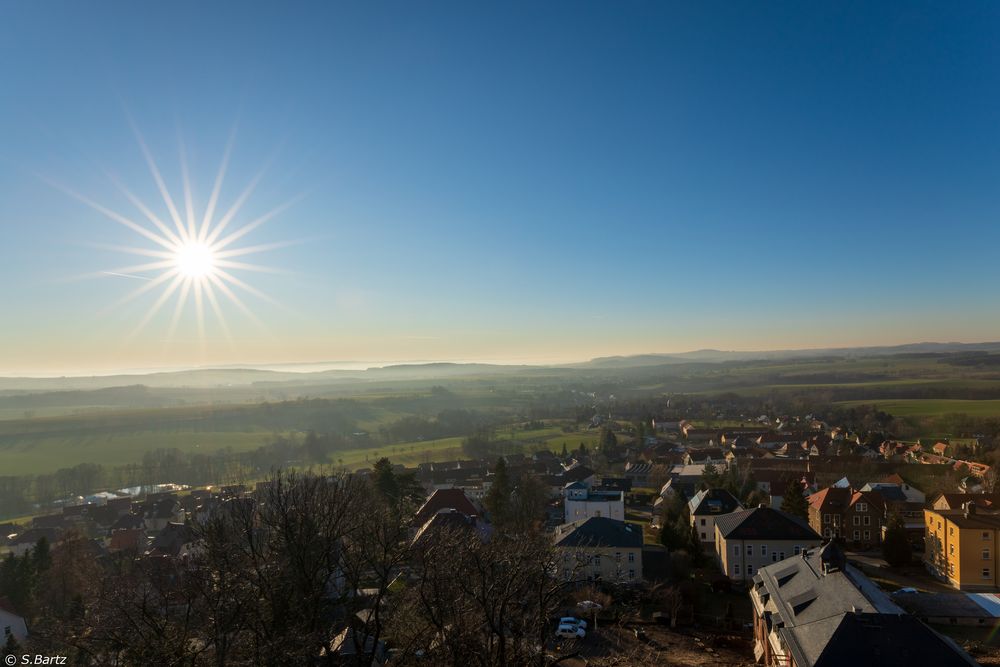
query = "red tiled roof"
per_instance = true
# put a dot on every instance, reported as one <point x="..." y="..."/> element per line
<point x="444" y="499"/>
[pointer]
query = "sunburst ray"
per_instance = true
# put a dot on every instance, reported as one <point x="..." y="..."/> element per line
<point x="194" y="259"/>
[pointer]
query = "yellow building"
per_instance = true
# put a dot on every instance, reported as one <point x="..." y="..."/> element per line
<point x="961" y="547"/>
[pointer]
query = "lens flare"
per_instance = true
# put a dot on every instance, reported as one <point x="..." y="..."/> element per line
<point x="192" y="257"/>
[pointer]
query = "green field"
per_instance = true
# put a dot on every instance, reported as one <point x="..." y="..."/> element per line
<point x="45" y="454"/>
<point x="932" y="407"/>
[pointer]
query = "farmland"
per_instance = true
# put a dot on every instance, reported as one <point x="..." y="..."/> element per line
<point x="934" y="407"/>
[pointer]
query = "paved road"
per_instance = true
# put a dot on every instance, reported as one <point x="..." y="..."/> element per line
<point x="913" y="576"/>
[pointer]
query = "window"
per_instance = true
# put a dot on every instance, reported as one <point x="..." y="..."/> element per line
<point x="826" y="518"/>
<point x="868" y="520"/>
<point x="836" y="519"/>
<point x="986" y="554"/>
<point x="951" y="530"/>
<point x="986" y="573"/>
<point x="986" y="536"/>
<point x="618" y="556"/>
<point x="798" y="550"/>
<point x="861" y="507"/>
<point x="631" y="556"/>
<point x="703" y="538"/>
<point x="868" y="535"/>
<point x="631" y="574"/>
<point x="857" y="535"/>
<point x="951" y="549"/>
<point x="736" y="550"/>
<point x="763" y="550"/>
<point x="826" y="532"/>
<point x="857" y="520"/>
<point x="736" y="568"/>
<point x="749" y="570"/>
<point x="749" y="550"/>
<point x="781" y="555"/>
<point x="703" y="522"/>
<point x="774" y="556"/>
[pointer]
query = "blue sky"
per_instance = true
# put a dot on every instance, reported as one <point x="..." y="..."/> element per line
<point x="530" y="182"/>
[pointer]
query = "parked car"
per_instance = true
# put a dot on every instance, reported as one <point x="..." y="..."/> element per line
<point x="573" y="620"/>
<point x="906" y="589"/>
<point x="570" y="632"/>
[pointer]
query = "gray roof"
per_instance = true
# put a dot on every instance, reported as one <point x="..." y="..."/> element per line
<point x="875" y="640"/>
<point x="824" y="617"/>
<point x="764" y="523"/>
<point x="714" y="501"/>
<point x="600" y="531"/>
<point x="799" y="592"/>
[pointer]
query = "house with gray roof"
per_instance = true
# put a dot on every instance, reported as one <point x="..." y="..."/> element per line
<point x="748" y="540"/>
<point x="705" y="507"/>
<point x="816" y="610"/>
<point x="600" y="549"/>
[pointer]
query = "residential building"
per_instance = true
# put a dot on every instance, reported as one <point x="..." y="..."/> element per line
<point x="748" y="540"/>
<point x="705" y="507"/>
<point x="600" y="548"/>
<point x="818" y="611"/>
<point x="961" y="547"/>
<point x="857" y="516"/>
<point x="638" y="473"/>
<point x="581" y="502"/>
<point x="11" y="623"/>
<point x="444" y="499"/>
<point x="954" y="501"/>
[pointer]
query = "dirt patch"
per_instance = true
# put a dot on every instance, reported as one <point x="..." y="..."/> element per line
<point x="619" y="646"/>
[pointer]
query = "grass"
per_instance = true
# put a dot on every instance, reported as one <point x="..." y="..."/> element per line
<point x="407" y="453"/>
<point x="933" y="407"/>
<point x="571" y="440"/>
<point x="36" y="455"/>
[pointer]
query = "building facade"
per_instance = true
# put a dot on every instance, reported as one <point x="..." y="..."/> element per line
<point x="961" y="547"/>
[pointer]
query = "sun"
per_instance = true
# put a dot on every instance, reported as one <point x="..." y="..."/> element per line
<point x="194" y="254"/>
<point x="195" y="260"/>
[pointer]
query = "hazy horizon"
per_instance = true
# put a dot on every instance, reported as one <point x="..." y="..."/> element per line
<point x="306" y="366"/>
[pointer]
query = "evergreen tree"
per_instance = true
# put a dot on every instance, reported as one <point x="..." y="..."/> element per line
<point x="497" y="499"/>
<point x="609" y="442"/>
<point x="385" y="480"/>
<point x="710" y="476"/>
<point x="896" y="545"/>
<point x="42" y="555"/>
<point x="794" y="501"/>
<point x="694" y="546"/>
<point x="565" y="452"/>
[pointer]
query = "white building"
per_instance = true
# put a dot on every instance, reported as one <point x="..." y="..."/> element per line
<point x="11" y="623"/>
<point x="581" y="503"/>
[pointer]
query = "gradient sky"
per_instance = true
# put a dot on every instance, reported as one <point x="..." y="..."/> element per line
<point x="526" y="182"/>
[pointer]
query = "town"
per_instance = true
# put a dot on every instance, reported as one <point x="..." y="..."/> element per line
<point x="776" y="540"/>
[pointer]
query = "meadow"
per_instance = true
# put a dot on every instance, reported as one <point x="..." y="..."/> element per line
<point x="933" y="407"/>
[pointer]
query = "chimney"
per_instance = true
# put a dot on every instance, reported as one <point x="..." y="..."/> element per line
<point x="970" y="508"/>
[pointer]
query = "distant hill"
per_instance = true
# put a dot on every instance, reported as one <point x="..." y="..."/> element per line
<point x="225" y="378"/>
<point x="717" y="356"/>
